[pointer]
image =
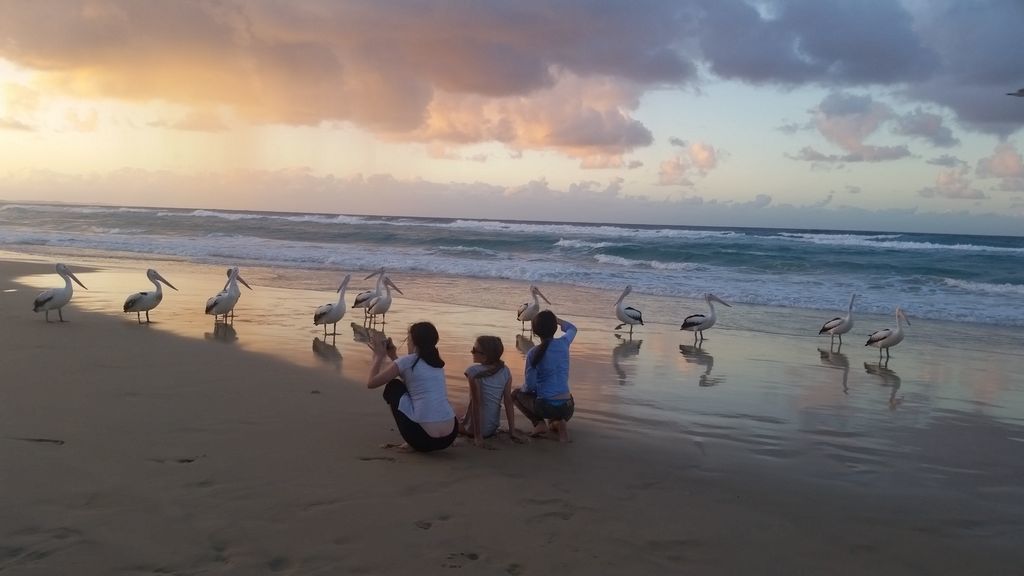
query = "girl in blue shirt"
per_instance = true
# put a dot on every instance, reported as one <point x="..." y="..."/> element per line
<point x="545" y="394"/>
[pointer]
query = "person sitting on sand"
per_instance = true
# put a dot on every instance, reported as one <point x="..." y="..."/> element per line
<point x="415" y="389"/>
<point x="545" y="394"/>
<point x="490" y="383"/>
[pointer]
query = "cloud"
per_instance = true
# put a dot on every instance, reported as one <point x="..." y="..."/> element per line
<point x="847" y="120"/>
<point x="1005" y="162"/>
<point x="927" y="126"/>
<point x="804" y="41"/>
<point x="947" y="160"/>
<point x="366" y="194"/>
<point x="396" y="68"/>
<point x="699" y="156"/>
<point x="678" y="142"/>
<point x="195" y="121"/>
<point x="952" y="184"/>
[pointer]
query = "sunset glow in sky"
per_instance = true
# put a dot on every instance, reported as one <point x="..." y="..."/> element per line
<point x="847" y="114"/>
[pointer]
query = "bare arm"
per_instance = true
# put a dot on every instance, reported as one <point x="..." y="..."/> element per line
<point x="474" y="405"/>
<point x="510" y="412"/>
<point x="382" y="372"/>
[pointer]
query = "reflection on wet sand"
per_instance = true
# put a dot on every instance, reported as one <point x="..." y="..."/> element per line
<point x="889" y="379"/>
<point x="524" y="343"/>
<point x="625" y="349"/>
<point x="222" y="332"/>
<point x="695" y="354"/>
<point x="328" y="352"/>
<point x="363" y="334"/>
<point x="835" y="359"/>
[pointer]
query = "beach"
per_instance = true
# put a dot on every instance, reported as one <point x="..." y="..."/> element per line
<point x="177" y="447"/>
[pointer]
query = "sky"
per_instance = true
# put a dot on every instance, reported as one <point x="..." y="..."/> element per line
<point x="823" y="114"/>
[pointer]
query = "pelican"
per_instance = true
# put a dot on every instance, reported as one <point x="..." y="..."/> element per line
<point x="145" y="301"/>
<point x="528" y="310"/>
<point x="363" y="298"/>
<point x="839" y="326"/>
<point x="698" y="322"/>
<point x="381" y="304"/>
<point x="57" y="298"/>
<point x="627" y="314"/>
<point x="332" y="313"/>
<point x="225" y="300"/>
<point x="888" y="337"/>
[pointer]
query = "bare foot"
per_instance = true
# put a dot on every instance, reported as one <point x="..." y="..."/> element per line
<point x="539" y="430"/>
<point x="563" y="431"/>
<point x="403" y="447"/>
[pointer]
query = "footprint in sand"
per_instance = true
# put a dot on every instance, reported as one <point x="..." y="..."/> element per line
<point x="458" y="559"/>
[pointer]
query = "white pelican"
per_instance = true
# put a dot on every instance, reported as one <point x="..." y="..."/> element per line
<point x="698" y="322"/>
<point x="363" y="298"/>
<point x="225" y="300"/>
<point x="381" y="304"/>
<point x="528" y="310"/>
<point x="332" y="313"/>
<point x="146" y="301"/>
<point x="888" y="337"/>
<point x="839" y="326"/>
<point x="627" y="314"/>
<point x="57" y="298"/>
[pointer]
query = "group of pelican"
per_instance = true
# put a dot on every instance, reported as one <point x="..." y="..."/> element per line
<point x="881" y="339"/>
<point x="377" y="302"/>
<point x="374" y="303"/>
<point x="221" y="306"/>
<point x="698" y="323"/>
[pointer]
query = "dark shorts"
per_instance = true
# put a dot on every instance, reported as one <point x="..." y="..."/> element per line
<point x="411" y="431"/>
<point x="539" y="409"/>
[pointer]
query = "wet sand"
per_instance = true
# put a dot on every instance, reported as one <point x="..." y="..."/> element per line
<point x="178" y="447"/>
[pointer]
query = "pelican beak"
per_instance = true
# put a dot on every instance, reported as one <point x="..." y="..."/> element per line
<point x="344" y="283"/>
<point x="164" y="280"/>
<point x="720" y="301"/>
<point x="79" y="282"/>
<point x="244" y="282"/>
<point x="378" y="272"/>
<point x="392" y="284"/>
<point x="542" y="297"/>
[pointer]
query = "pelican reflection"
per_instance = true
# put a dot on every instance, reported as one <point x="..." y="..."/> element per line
<point x="363" y="334"/>
<point x="695" y="354"/>
<point x="627" y="348"/>
<point x="326" y="351"/>
<point x="524" y="343"/>
<point x="889" y="379"/>
<point x="839" y="361"/>
<point x="222" y="333"/>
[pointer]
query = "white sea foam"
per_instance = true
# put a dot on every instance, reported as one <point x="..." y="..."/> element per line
<point x="584" y="244"/>
<point x="884" y="241"/>
<point x="974" y="287"/>
<point x="619" y="261"/>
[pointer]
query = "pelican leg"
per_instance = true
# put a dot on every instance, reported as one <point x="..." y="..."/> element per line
<point x="60" y="315"/>
<point x="335" y="329"/>
<point x="147" y="316"/>
<point x="138" y="317"/>
<point x="886" y="354"/>
<point x="619" y="327"/>
<point x="840" y="339"/>
<point x="701" y="335"/>
<point x="631" y="331"/>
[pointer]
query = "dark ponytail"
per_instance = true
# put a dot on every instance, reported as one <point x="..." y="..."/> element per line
<point x="544" y="324"/>
<point x="424" y="337"/>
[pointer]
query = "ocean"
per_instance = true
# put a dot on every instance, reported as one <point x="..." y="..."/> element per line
<point x="960" y="278"/>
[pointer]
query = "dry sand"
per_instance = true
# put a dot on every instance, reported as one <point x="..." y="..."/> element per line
<point x="129" y="449"/>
